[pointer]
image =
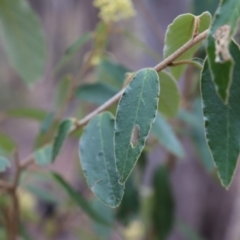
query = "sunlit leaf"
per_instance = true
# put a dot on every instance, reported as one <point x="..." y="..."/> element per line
<point x="181" y="31"/>
<point x="98" y="161"/>
<point x="222" y="123"/>
<point x="136" y="112"/>
<point x="170" y="97"/>
<point x="23" y="39"/>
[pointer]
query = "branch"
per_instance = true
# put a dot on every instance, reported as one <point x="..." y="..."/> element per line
<point x="165" y="63"/>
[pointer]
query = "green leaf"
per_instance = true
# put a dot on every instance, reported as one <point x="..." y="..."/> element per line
<point x="23" y="39"/>
<point x="62" y="91"/>
<point x="222" y="123"/>
<point x="163" y="206"/>
<point x="97" y="93"/>
<point x="112" y="73"/>
<point x="4" y="164"/>
<point x="180" y="32"/>
<point x="196" y="123"/>
<point x="31" y="113"/>
<point x="43" y="156"/>
<point x="96" y="151"/>
<point x="7" y="144"/>
<point x="206" y="5"/>
<point x="166" y="136"/>
<point x="136" y="112"/>
<point x="47" y="123"/>
<point x="79" y="200"/>
<point x="219" y="38"/>
<point x="170" y="97"/>
<point x="73" y="49"/>
<point x="62" y="133"/>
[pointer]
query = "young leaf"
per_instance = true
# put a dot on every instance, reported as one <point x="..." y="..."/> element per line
<point x="170" y="97"/>
<point x="136" y="112"/>
<point x="219" y="57"/>
<point x="73" y="49"/>
<point x="96" y="151"/>
<point x="166" y="136"/>
<point x="79" y="200"/>
<point x="23" y="39"/>
<point x="62" y="133"/>
<point x="97" y="93"/>
<point x="222" y="123"/>
<point x="163" y="206"/>
<point x="4" y="164"/>
<point x="183" y="28"/>
<point x="43" y="156"/>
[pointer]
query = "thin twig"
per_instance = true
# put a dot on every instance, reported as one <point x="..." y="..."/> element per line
<point x="165" y="63"/>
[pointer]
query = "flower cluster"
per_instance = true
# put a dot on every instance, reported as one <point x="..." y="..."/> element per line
<point x="114" y="10"/>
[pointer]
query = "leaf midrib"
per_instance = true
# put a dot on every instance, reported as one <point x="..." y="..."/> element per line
<point x="137" y="110"/>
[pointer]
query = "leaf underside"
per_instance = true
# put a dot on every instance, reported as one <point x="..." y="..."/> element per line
<point x="96" y="151"/>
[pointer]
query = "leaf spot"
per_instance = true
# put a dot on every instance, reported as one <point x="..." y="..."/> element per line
<point x="135" y="136"/>
<point x="221" y="37"/>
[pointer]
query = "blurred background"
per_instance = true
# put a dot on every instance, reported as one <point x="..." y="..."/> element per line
<point x="167" y="196"/>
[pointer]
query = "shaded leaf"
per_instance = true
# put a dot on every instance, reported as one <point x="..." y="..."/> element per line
<point x="96" y="151"/>
<point x="166" y="136"/>
<point x="207" y="5"/>
<point x="136" y="112"/>
<point x="62" y="90"/>
<point x="47" y="123"/>
<point x="43" y="156"/>
<point x="31" y="113"/>
<point x="4" y="164"/>
<point x="219" y="57"/>
<point x="73" y="49"/>
<point x="79" y="200"/>
<point x="111" y="73"/>
<point x="23" y="39"/>
<point x="169" y="98"/>
<point x="163" y="204"/>
<point x="62" y="133"/>
<point x="7" y="144"/>
<point x="97" y="93"/>
<point x="222" y="125"/>
<point x="181" y="31"/>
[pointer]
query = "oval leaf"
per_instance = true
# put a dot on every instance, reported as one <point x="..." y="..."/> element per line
<point x="96" y="151"/>
<point x="166" y="136"/>
<point x="23" y="39"/>
<point x="136" y="112"/>
<point x="183" y="28"/>
<point x="222" y="123"/>
<point x="219" y="57"/>
<point x="4" y="164"/>
<point x="63" y="131"/>
<point x="43" y="156"/>
<point x="170" y="97"/>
